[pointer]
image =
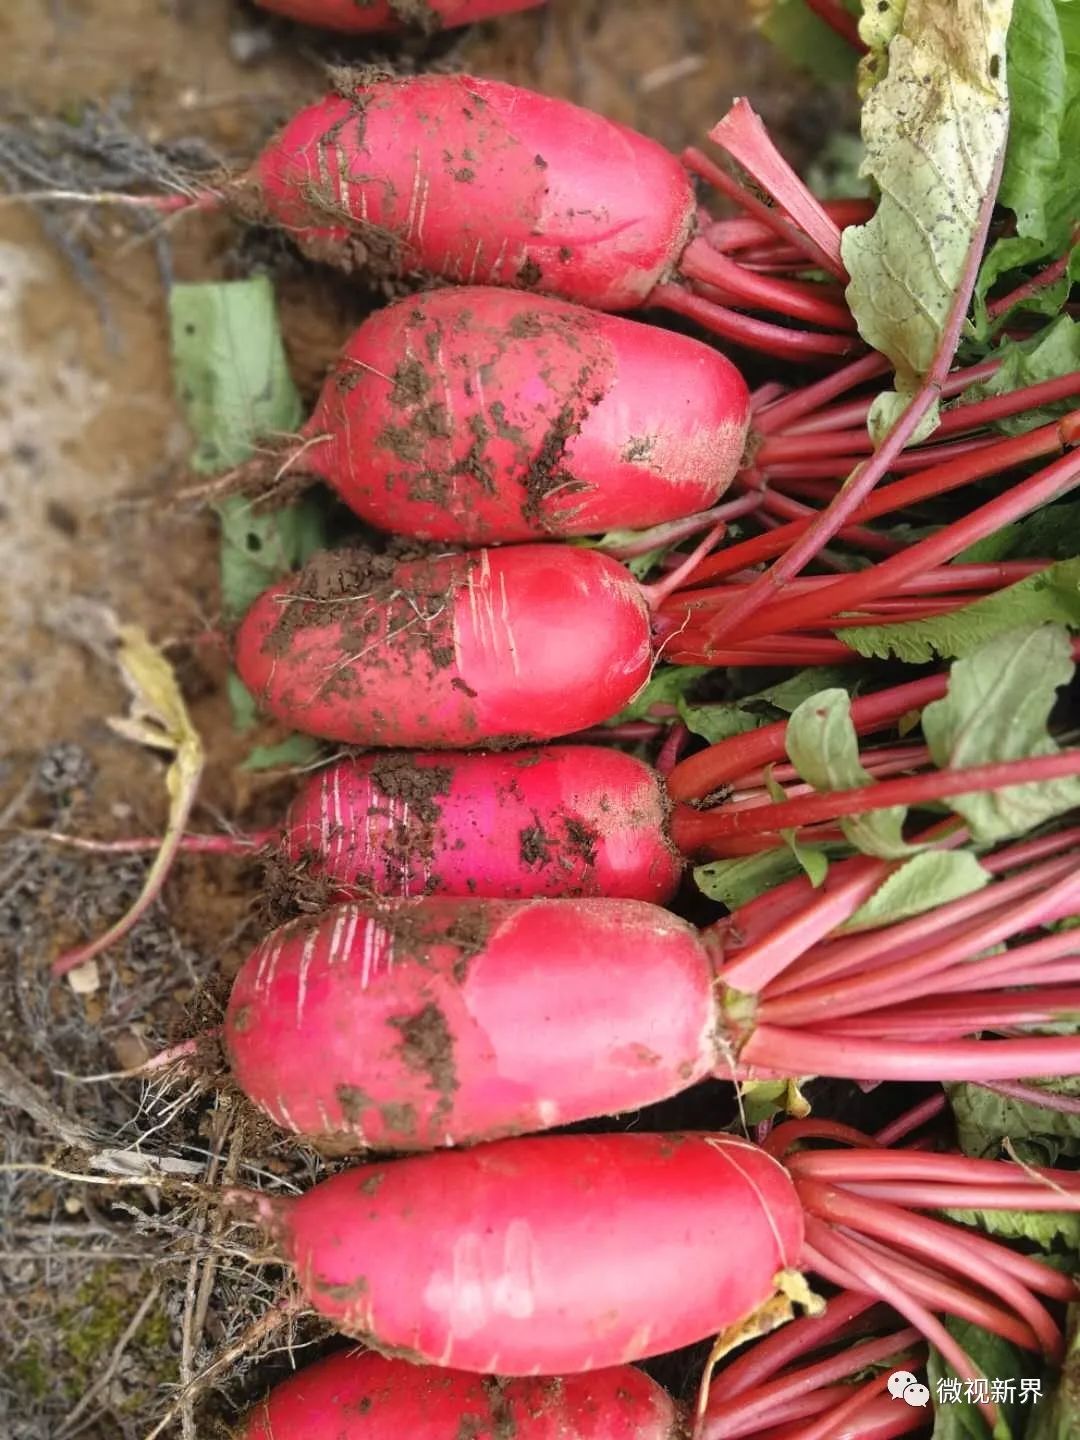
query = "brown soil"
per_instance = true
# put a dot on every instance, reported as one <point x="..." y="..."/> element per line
<point x="93" y="450"/>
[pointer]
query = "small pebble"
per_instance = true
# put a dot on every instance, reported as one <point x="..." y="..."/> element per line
<point x="248" y="47"/>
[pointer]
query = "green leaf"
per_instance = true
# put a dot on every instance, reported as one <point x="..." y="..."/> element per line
<point x="230" y="368"/>
<point x="1052" y="532"/>
<point x="1059" y="1419"/>
<point x="811" y="859"/>
<point x="1054" y="351"/>
<point x="258" y="548"/>
<point x="734" y="882"/>
<point x="823" y="746"/>
<point x="1037" y="98"/>
<point x="1051" y="1230"/>
<point x="232" y="378"/>
<point x="922" y="883"/>
<point x="836" y="170"/>
<point x="735" y="717"/>
<point x="996" y="1359"/>
<point x="298" y="751"/>
<point x="760" y="1100"/>
<point x="997" y="708"/>
<point x="666" y="686"/>
<point x="807" y="41"/>
<point x="933" y="128"/>
<point x="1052" y="595"/>
<point x="245" y="710"/>
<point x="1039" y="1136"/>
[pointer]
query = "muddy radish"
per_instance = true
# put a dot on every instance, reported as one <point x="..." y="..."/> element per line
<point x="525" y="1257"/>
<point x="478" y="415"/>
<point x="369" y="16"/>
<point x="366" y="1396"/>
<point x="563" y="820"/>
<point x="447" y="1021"/>
<point x="463" y="650"/>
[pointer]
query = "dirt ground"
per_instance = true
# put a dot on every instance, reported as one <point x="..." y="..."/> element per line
<point x="95" y="1298"/>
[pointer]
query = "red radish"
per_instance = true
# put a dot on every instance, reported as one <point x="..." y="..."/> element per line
<point x="366" y="1396"/>
<point x="447" y="1021"/>
<point x="472" y="179"/>
<point x="456" y="651"/>
<point x="365" y="16"/>
<point x="481" y="182"/>
<point x="478" y="415"/>
<point x="511" y="645"/>
<point x="569" y="820"/>
<point x="526" y="1256"/>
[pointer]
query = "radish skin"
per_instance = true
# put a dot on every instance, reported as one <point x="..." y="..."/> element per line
<point x="546" y="1256"/>
<point x="451" y="174"/>
<point x="476" y="415"/>
<point x="450" y="1021"/>
<point x="562" y="820"/>
<point x="357" y="1395"/>
<point x="452" y="652"/>
<point x="368" y="16"/>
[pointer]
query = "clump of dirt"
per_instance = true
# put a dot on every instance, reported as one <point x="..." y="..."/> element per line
<point x="398" y="776"/>
<point x="535" y="846"/>
<point x="418" y="13"/>
<point x="427" y="1048"/>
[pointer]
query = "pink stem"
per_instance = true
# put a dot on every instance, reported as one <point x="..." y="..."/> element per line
<point x="908" y="790"/>
<point x="772" y="219"/>
<point x="797" y="300"/>
<point x="672" y="531"/>
<point x="812" y="397"/>
<point x="1049" y="484"/>
<point x="760" y="963"/>
<point x="1035" y="1095"/>
<point x="759" y="1402"/>
<point x="773" y="340"/>
<point x="794" y="1340"/>
<point x="911" y="1120"/>
<point x="856" y="994"/>
<point x="677" y="737"/>
<point x="656" y="593"/>
<point x="863" y="480"/>
<point x="855" y="412"/>
<point x="964" y="417"/>
<point x="885" y="946"/>
<point x="800" y="1052"/>
<point x="701" y="773"/>
<point x="744" y="137"/>
<point x="854" y="1261"/>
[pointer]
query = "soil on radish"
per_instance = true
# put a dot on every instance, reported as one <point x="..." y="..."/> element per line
<point x="89" y="420"/>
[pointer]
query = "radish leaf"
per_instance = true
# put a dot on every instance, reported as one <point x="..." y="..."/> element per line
<point x="718" y="721"/>
<point x="807" y="41"/>
<point x="1038" y="97"/>
<point x="1052" y="595"/>
<point x="824" y="748"/>
<point x="1040" y="1136"/>
<point x="922" y="883"/>
<point x="734" y="882"/>
<point x="934" y="127"/>
<point x="666" y="685"/>
<point x="997" y="707"/>
<point x="1052" y="352"/>
<point x="232" y="377"/>
<point x="996" y="1359"/>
